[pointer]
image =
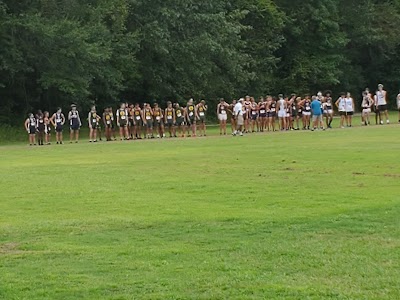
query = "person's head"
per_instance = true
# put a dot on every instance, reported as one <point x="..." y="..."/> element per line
<point x="314" y="97"/>
<point x="241" y="100"/>
<point x="93" y="108"/>
<point x="269" y="98"/>
<point x="261" y="99"/>
<point x="367" y="90"/>
<point x="176" y="105"/>
<point x="46" y="114"/>
<point x="73" y="107"/>
<point x="234" y="101"/>
<point x="221" y="100"/>
<point x="280" y="96"/>
<point x="328" y="93"/>
<point x="137" y="105"/>
<point x="203" y="102"/>
<point x="155" y="105"/>
<point x="123" y="105"/>
<point x="342" y="94"/>
<point x="190" y="102"/>
<point x="59" y="110"/>
<point x="30" y="115"/>
<point x="247" y="98"/>
<point x="365" y="93"/>
<point x="298" y="99"/>
<point x="380" y="87"/>
<point x="348" y="95"/>
<point x="319" y="94"/>
<point x="169" y="104"/>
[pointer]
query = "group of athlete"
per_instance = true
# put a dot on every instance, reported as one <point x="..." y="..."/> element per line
<point x="246" y="115"/>
<point x="133" y="122"/>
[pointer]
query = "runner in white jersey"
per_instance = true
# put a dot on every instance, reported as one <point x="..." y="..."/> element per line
<point x="381" y="100"/>
<point x="281" y="106"/>
<point x="340" y="104"/>
<point x="398" y="104"/>
<point x="349" y="108"/>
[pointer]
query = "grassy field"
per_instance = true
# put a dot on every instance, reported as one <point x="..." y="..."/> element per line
<point x="294" y="215"/>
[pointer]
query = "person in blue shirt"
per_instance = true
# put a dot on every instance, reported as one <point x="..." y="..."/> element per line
<point x="316" y="109"/>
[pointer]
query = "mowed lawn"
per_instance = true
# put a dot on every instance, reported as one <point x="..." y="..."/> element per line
<point x="293" y="215"/>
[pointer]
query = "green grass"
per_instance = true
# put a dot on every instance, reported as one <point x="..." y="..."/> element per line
<point x="296" y="215"/>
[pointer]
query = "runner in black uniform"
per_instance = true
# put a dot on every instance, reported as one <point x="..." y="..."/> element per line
<point x="74" y="123"/>
<point x="170" y="119"/>
<point x="138" y="122"/>
<point x="122" y="122"/>
<point x="93" y="120"/>
<point x="191" y="116"/>
<point x="158" y="121"/>
<point x="58" y="121"/>
<point x="180" y="120"/>
<point x="40" y="127"/>
<point x="30" y="127"/>
<point x="201" y="112"/>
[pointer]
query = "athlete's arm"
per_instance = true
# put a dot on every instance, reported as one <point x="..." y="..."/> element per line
<point x="63" y="119"/>
<point x="337" y="102"/>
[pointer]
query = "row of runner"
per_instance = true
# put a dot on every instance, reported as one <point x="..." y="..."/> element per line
<point x="245" y="115"/>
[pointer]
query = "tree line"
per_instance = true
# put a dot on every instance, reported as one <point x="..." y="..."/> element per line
<point x="55" y="52"/>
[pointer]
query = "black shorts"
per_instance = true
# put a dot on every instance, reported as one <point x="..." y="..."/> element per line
<point x="130" y="122"/>
<point x="95" y="126"/>
<point x="254" y="117"/>
<point x="169" y="123"/>
<point x="263" y="115"/>
<point x="382" y="107"/>
<point x="59" y="128"/>
<point x="191" y="122"/>
<point x="271" y="114"/>
<point x="342" y="113"/>
<point x="74" y="127"/>
<point x="32" y="129"/>
<point x="123" y="125"/>
<point x="350" y="113"/>
<point x="149" y="123"/>
<point x="157" y="124"/>
<point x="202" y="120"/>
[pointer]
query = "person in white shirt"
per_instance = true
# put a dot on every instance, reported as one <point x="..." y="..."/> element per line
<point x="381" y="102"/>
<point x="340" y="104"/>
<point x="238" y="111"/>
<point x="281" y="107"/>
<point x="349" y="108"/>
<point x="398" y="104"/>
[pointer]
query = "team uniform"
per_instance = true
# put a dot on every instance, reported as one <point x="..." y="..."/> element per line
<point x="137" y="114"/>
<point x="222" y="115"/>
<point x="93" y="120"/>
<point x="58" y="120"/>
<point x="349" y="108"/>
<point x="32" y="125"/>
<point x="307" y="108"/>
<point x="180" y="119"/>
<point x="202" y="113"/>
<point x="191" y="118"/>
<point x="169" y="116"/>
<point x="122" y="117"/>
<point x="74" y="121"/>
<point x="158" y="118"/>
<point x="148" y="118"/>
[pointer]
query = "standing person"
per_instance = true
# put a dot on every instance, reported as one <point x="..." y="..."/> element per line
<point x="93" y="122"/>
<point x="262" y="112"/>
<point x="148" y="120"/>
<point x="191" y="117"/>
<point x="349" y="108"/>
<point x="201" y="111"/>
<point x="131" y="121"/>
<point x="299" y="113"/>
<point x="281" y="107"/>
<point x="341" y="106"/>
<point x="398" y="104"/>
<point x="292" y="111"/>
<point x="306" y="112"/>
<point x="254" y="114"/>
<point x="381" y="100"/>
<point x="58" y="121"/>
<point x="316" y="113"/>
<point x="222" y="109"/>
<point x="180" y="120"/>
<point x="366" y="104"/>
<point x="233" y="117"/>
<point x="107" y="121"/>
<point x="122" y="122"/>
<point x="271" y="113"/>
<point x="295" y="113"/>
<point x="40" y="127"/>
<point x="246" y="113"/>
<point x="158" y="121"/>
<point x="238" y="111"/>
<point x="138" y="122"/>
<point x="74" y="124"/>
<point x="328" y="109"/>
<point x="47" y="127"/>
<point x="30" y="127"/>
<point x="170" y="119"/>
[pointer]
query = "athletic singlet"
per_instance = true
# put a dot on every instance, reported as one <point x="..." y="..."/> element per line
<point x="201" y="111"/>
<point x="222" y="109"/>
<point x="170" y="113"/>
<point x="137" y="114"/>
<point x="157" y="114"/>
<point x="381" y="96"/>
<point x="282" y="105"/>
<point x="263" y="110"/>
<point x="328" y="103"/>
<point x="147" y="114"/>
<point x="122" y="114"/>
<point x="349" y="104"/>
<point x="59" y="119"/>
<point x="131" y="113"/>
<point x="307" y="105"/>
<point x="341" y="105"/>
<point x="190" y="109"/>
<point x="108" y="119"/>
<point x="294" y="106"/>
<point x="273" y="106"/>
<point x="365" y="103"/>
<point x="93" y="118"/>
<point x="40" y="124"/>
<point x="74" y="118"/>
<point x="32" y="122"/>
<point x="398" y="100"/>
<point x="179" y="113"/>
